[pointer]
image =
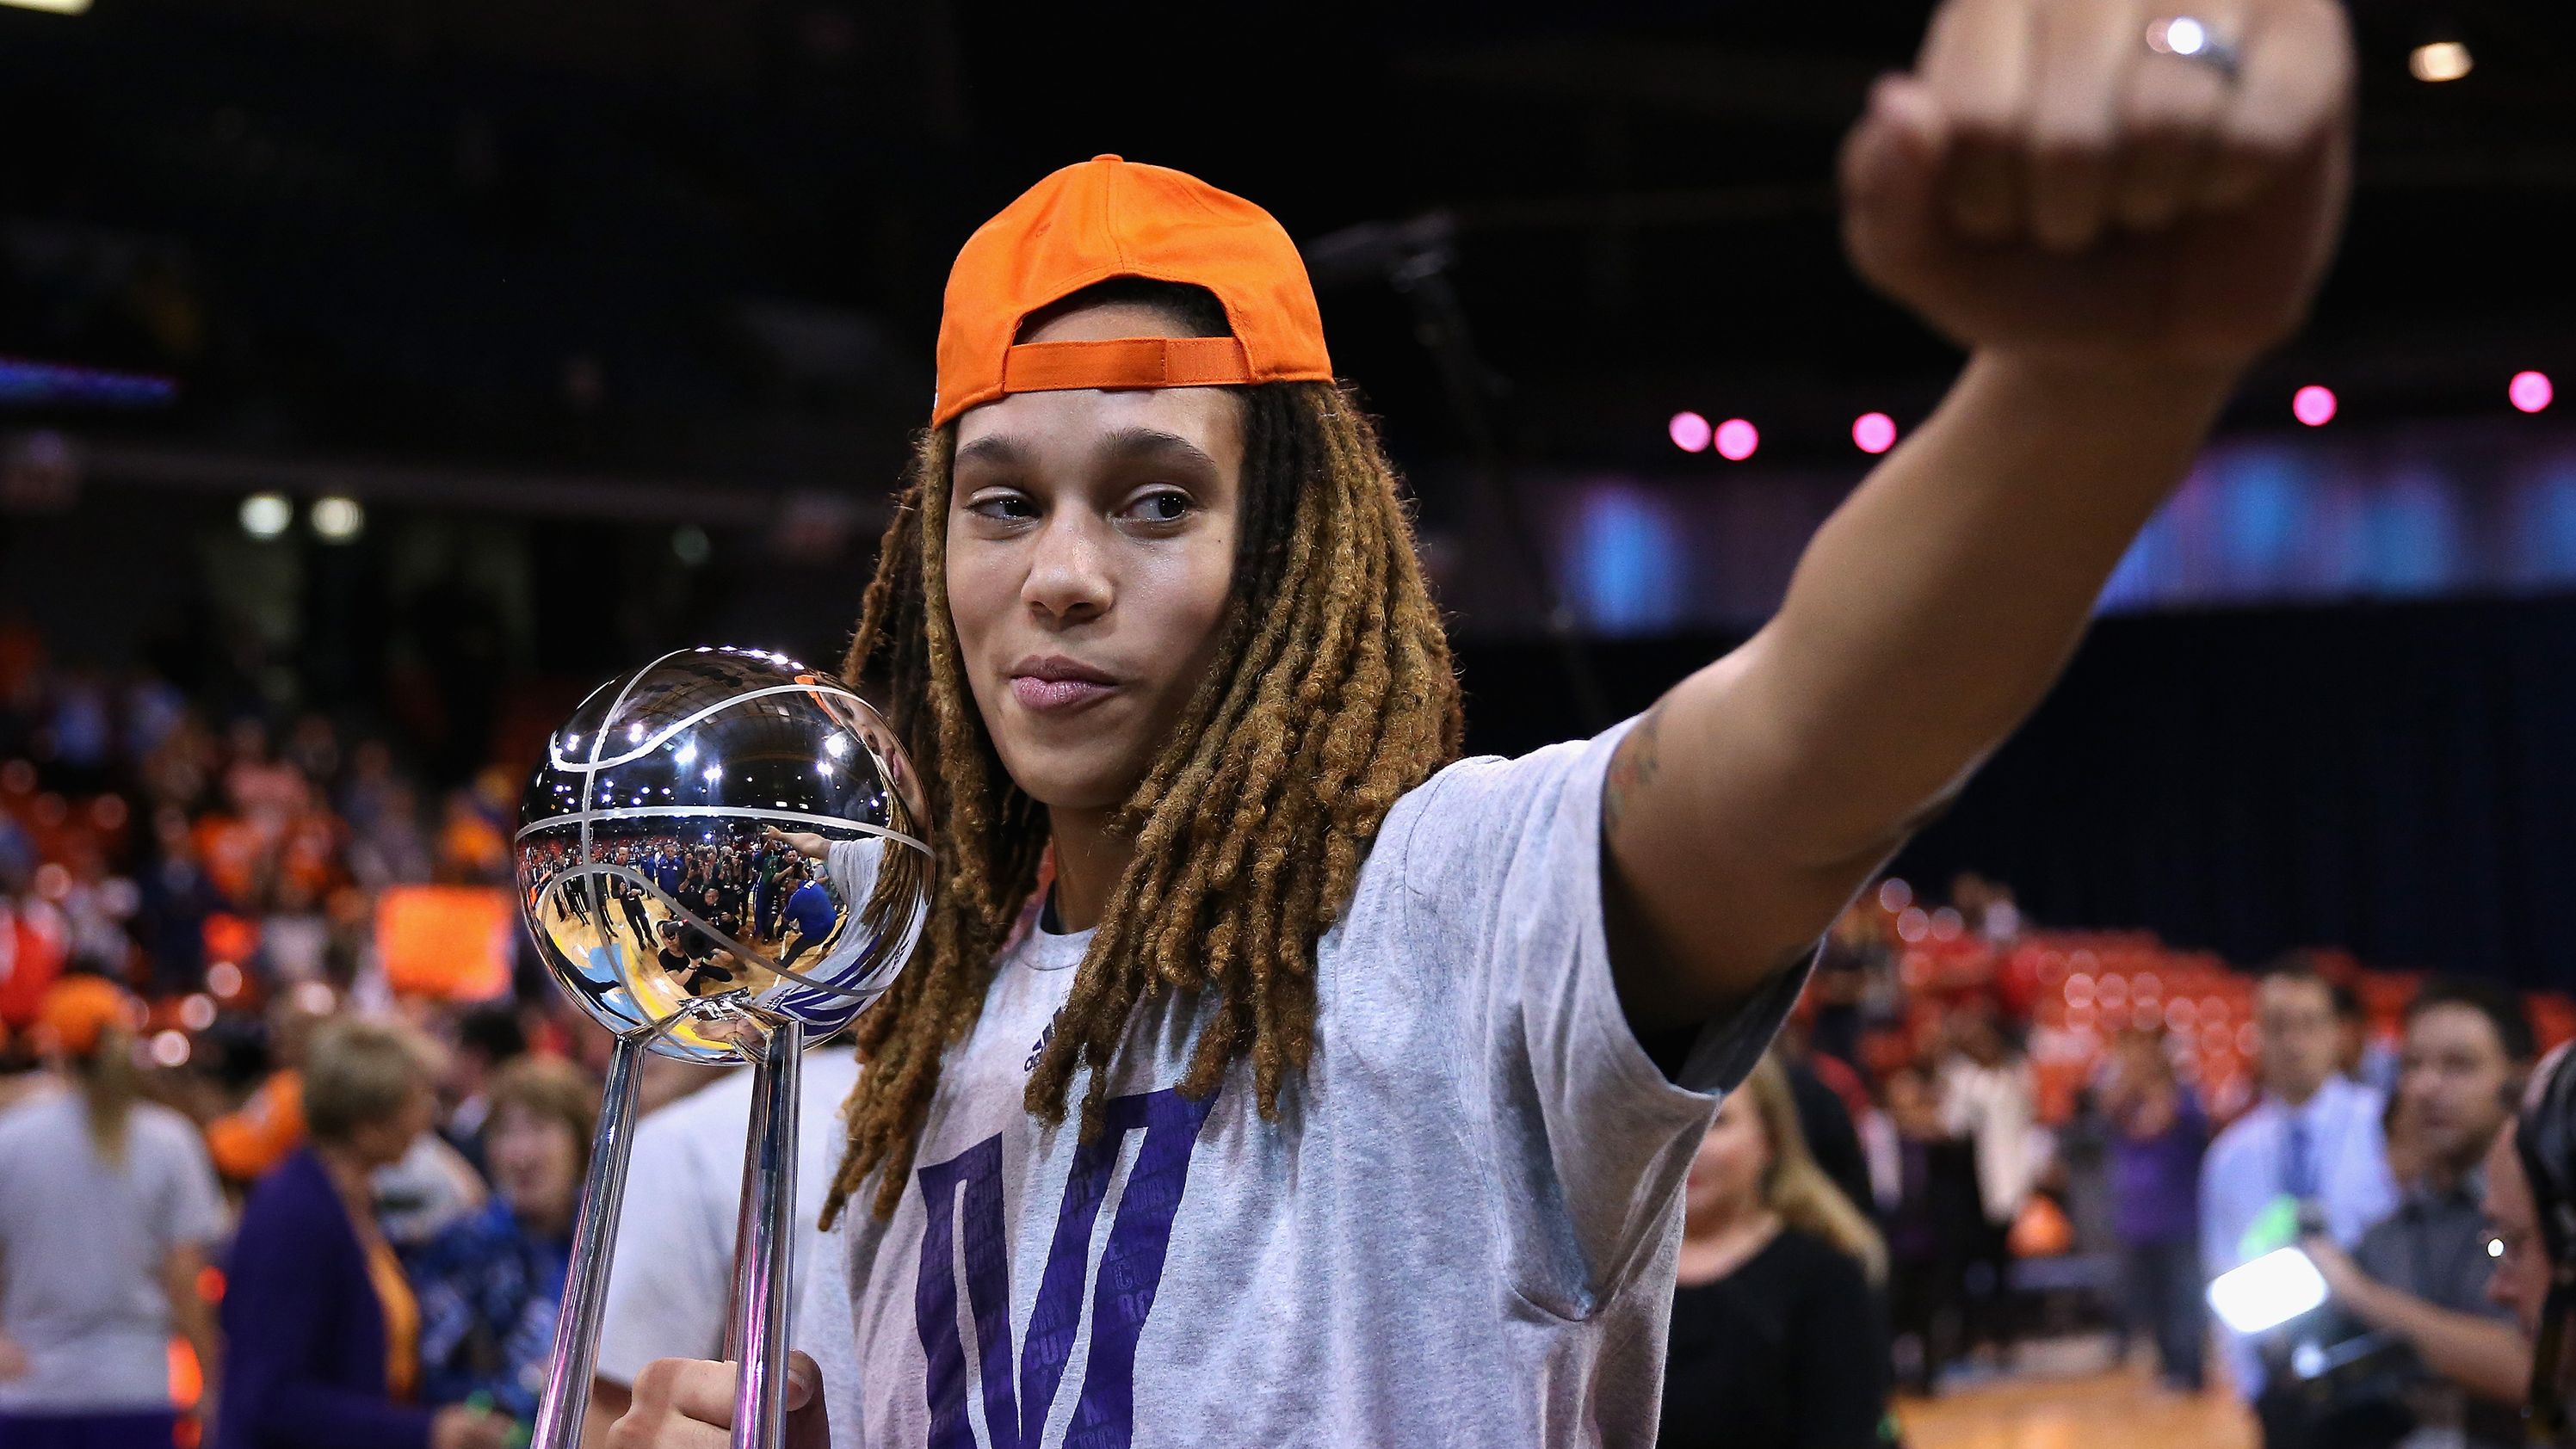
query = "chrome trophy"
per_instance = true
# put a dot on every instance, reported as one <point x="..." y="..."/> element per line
<point x="721" y="856"/>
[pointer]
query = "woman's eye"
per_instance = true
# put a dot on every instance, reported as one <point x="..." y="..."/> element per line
<point x="1166" y="506"/>
<point x="1005" y="506"/>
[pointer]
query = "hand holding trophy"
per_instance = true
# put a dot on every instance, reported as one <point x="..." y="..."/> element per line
<point x="721" y="855"/>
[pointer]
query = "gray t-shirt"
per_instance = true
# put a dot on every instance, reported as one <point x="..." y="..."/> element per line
<point x="81" y="1246"/>
<point x="1461" y="1229"/>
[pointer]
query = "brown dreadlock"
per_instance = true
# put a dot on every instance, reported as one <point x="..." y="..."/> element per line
<point x="1334" y="696"/>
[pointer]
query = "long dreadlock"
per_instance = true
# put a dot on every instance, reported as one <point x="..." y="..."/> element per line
<point x="1333" y="696"/>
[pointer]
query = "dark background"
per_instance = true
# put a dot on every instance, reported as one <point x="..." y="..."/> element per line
<point x="548" y="285"/>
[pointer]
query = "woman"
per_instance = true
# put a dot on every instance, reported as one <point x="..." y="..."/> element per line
<point x="1266" y="1076"/>
<point x="490" y="1286"/>
<point x="321" y="1326"/>
<point x="2158" y="1134"/>
<point x="1777" y="1337"/>
<point x="107" y="1205"/>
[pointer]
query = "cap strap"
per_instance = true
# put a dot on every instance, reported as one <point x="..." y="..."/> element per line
<point x="1125" y="362"/>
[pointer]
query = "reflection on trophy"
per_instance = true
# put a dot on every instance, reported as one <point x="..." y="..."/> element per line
<point x="721" y="854"/>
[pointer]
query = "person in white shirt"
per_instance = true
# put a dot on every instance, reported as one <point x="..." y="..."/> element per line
<point x="2309" y="1155"/>
<point x="671" y="1275"/>
<point x="1987" y="1097"/>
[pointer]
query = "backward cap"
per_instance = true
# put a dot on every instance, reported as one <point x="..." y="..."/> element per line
<point x="1107" y="218"/>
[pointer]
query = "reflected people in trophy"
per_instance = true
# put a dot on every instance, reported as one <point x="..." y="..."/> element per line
<point x="727" y="827"/>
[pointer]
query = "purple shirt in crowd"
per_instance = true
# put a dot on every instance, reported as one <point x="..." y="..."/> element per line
<point x="2155" y="1181"/>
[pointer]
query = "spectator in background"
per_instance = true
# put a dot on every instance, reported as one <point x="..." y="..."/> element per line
<point x="2157" y="1135"/>
<point x="491" y="1286"/>
<point x="1831" y="1103"/>
<point x="250" y="1141"/>
<point x="107" y="1207"/>
<point x="2421" y="1274"/>
<point x="2359" y="1055"/>
<point x="322" y="1329"/>
<point x="1987" y="1097"/>
<point x="1932" y="1214"/>
<point x="488" y="1038"/>
<point x="1777" y="1337"/>
<point x="2310" y="1152"/>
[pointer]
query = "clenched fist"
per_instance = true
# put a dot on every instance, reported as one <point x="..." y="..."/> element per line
<point x="2048" y="181"/>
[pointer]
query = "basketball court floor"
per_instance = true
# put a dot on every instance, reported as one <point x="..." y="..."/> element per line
<point x="2112" y="1409"/>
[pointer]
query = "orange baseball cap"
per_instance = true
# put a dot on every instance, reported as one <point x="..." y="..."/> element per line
<point x="76" y="1009"/>
<point x="1106" y="218"/>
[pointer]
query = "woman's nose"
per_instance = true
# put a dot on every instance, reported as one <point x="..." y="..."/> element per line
<point x="1068" y="578"/>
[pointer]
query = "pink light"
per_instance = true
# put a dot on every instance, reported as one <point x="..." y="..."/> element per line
<point x="1689" y="432"/>
<point x="1874" y="432"/>
<point x="2313" y="405"/>
<point x="2530" y="391"/>
<point x="1736" y="440"/>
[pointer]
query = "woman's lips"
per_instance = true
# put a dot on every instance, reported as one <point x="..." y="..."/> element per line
<point x="1056" y="696"/>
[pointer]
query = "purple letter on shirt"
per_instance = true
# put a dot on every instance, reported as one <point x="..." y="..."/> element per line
<point x="964" y="1231"/>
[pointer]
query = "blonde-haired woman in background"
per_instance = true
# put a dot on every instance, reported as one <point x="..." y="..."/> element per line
<point x="322" y="1331"/>
<point x="107" y="1206"/>
<point x="1778" y="1335"/>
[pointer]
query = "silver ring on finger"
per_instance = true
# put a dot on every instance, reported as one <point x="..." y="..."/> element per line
<point x="2190" y="38"/>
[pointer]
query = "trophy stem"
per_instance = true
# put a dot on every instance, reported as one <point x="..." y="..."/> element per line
<point x="575" y="1356"/>
<point x="765" y="1243"/>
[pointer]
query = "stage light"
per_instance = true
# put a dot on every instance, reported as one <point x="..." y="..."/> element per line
<point x="2313" y="405"/>
<point x="2530" y="391"/>
<point x="197" y="1012"/>
<point x="690" y="545"/>
<point x="224" y="979"/>
<point x="1736" y="440"/>
<point x="170" y="1049"/>
<point x="1874" y="432"/>
<point x="338" y="519"/>
<point x="2268" y="1292"/>
<point x="2440" y="60"/>
<point x="51" y="7"/>
<point x="1689" y="432"/>
<point x="265" y="515"/>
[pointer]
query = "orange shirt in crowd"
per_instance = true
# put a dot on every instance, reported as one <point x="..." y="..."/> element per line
<point x="247" y="1143"/>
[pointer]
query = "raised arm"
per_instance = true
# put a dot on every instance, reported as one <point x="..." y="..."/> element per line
<point x="2113" y="233"/>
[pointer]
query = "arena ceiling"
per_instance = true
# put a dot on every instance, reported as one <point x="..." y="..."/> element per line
<point x="701" y="240"/>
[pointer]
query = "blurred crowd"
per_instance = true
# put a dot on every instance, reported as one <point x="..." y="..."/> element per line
<point x="255" y="1189"/>
<point x="2024" y="1140"/>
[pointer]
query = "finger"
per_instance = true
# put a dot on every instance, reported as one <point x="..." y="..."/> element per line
<point x="1892" y="168"/>
<point x="2293" y="88"/>
<point x="2083" y="53"/>
<point x="1976" y="62"/>
<point x="699" y="1390"/>
<point x="804" y="1380"/>
<point x="2170" y="107"/>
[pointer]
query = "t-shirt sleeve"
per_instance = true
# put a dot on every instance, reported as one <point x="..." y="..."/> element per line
<point x="672" y="1273"/>
<point x="1587" y="1137"/>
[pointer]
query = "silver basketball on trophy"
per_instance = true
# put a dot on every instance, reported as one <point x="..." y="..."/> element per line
<point x="723" y="831"/>
<point x="721" y="857"/>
